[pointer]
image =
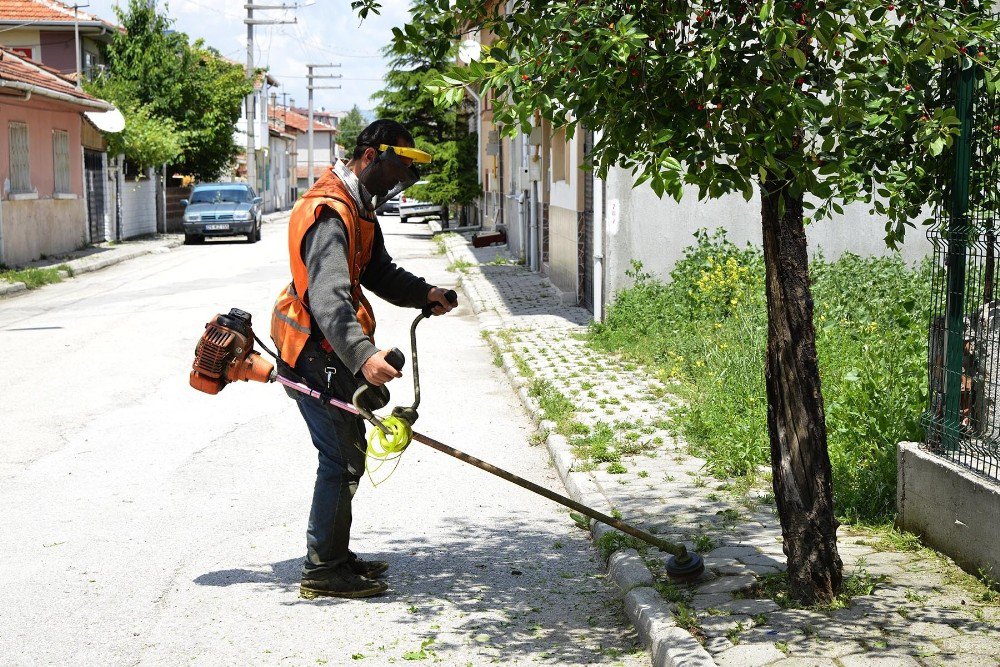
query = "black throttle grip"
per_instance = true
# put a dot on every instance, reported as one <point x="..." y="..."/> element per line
<point x="452" y="297"/>
<point x="395" y="358"/>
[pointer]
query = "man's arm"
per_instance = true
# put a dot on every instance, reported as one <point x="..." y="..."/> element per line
<point x="391" y="282"/>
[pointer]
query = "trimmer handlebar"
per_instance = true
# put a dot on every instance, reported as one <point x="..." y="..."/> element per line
<point x="395" y="358"/>
<point x="428" y="310"/>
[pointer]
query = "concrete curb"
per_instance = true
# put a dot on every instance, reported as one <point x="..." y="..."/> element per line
<point x="436" y="228"/>
<point x="12" y="288"/>
<point x="669" y="644"/>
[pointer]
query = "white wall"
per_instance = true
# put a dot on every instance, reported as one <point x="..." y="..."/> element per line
<point x="656" y="231"/>
<point x="138" y="207"/>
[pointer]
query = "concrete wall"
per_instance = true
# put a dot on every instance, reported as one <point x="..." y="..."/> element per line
<point x="953" y="509"/>
<point x="23" y="38"/>
<point x="323" y="150"/>
<point x="37" y="227"/>
<point x="138" y="208"/>
<point x="58" y="51"/>
<point x="656" y="231"/>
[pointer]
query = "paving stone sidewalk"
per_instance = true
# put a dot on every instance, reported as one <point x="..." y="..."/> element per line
<point x="909" y="607"/>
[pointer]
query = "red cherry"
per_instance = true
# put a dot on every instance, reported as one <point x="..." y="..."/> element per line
<point x="700" y="107"/>
<point x="892" y="7"/>
<point x="797" y="5"/>
<point x="698" y="19"/>
<point x="962" y="49"/>
<point x="907" y="88"/>
<point x="525" y="77"/>
<point x="799" y="81"/>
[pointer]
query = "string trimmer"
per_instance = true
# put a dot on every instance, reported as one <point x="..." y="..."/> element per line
<point x="226" y="354"/>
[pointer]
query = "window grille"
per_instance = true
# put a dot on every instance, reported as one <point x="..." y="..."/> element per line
<point x="20" y="170"/>
<point x="60" y="161"/>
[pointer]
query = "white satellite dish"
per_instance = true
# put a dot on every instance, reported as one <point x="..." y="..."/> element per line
<point x="469" y="50"/>
<point x="107" y="121"/>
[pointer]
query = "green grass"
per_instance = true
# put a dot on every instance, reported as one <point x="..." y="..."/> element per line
<point x="460" y="265"/>
<point x="707" y="328"/>
<point x="34" y="278"/>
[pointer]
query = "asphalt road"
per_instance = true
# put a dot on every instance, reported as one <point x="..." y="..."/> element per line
<point x="146" y="523"/>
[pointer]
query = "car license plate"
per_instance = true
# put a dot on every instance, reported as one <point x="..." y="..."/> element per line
<point x="215" y="228"/>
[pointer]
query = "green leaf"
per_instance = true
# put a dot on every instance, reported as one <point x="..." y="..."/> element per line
<point x="799" y="57"/>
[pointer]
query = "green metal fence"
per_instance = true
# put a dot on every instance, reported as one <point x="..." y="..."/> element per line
<point x="964" y="341"/>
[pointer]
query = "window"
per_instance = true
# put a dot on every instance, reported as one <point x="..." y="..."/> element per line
<point x="20" y="172"/>
<point x="60" y="161"/>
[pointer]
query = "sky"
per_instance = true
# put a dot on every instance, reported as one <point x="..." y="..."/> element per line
<point x="327" y="31"/>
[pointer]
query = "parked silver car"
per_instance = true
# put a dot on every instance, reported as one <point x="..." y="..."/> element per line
<point x="222" y="209"/>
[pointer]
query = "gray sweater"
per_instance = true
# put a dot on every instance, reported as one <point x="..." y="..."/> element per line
<point x="324" y="250"/>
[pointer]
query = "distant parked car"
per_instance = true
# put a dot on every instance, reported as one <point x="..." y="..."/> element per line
<point x="390" y="206"/>
<point x="414" y="208"/>
<point x="222" y="209"/>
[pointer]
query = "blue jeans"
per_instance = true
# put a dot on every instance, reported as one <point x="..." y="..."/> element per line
<point x="339" y="439"/>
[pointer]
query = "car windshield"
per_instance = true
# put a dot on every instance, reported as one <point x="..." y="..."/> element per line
<point x="220" y="195"/>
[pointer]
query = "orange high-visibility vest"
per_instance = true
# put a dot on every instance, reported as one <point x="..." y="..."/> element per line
<point x="291" y="323"/>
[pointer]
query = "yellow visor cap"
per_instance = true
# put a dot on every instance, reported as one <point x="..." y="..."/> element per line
<point x="412" y="153"/>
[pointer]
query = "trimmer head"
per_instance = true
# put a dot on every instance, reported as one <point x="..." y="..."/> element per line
<point x="687" y="568"/>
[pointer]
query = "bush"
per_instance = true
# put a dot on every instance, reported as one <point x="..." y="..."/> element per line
<point x="707" y="327"/>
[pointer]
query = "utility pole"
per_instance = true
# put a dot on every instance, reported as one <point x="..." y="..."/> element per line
<point x="76" y="41"/>
<point x="251" y="102"/>
<point x="311" y="87"/>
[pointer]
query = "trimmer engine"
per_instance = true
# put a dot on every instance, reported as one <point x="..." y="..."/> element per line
<point x="225" y="354"/>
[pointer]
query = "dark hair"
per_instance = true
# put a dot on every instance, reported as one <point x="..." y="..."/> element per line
<point x="382" y="131"/>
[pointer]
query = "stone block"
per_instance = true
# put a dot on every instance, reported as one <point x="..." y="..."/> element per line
<point x="670" y="645"/>
<point x="628" y="571"/>
<point x="738" y="552"/>
<point x="728" y="584"/>
<point x="749" y="655"/>
<point x="753" y="607"/>
<point x="874" y="660"/>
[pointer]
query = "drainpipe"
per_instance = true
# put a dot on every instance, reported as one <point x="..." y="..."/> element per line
<point x="1" y="226"/>
<point x="599" y="196"/>
<point x="479" y="150"/>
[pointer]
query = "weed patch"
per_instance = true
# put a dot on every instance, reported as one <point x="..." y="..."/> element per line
<point x="706" y="329"/>
<point x="36" y="277"/>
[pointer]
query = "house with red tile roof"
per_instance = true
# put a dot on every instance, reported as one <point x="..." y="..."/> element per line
<point x="45" y="31"/>
<point x="324" y="144"/>
<point x="43" y="134"/>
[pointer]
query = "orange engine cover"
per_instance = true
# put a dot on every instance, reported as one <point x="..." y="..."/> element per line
<point x="225" y="354"/>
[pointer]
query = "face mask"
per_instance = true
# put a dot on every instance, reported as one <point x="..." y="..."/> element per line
<point x="387" y="176"/>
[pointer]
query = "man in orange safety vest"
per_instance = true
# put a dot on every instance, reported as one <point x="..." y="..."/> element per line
<point x="324" y="329"/>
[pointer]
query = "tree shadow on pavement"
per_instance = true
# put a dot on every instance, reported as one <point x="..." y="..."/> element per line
<point x="512" y="590"/>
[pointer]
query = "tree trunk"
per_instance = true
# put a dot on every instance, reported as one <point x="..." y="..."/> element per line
<point x="803" y="487"/>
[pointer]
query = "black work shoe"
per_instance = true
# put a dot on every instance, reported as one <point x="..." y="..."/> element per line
<point x="366" y="568"/>
<point x="340" y="583"/>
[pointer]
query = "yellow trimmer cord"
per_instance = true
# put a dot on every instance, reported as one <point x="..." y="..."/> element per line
<point x="387" y="446"/>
